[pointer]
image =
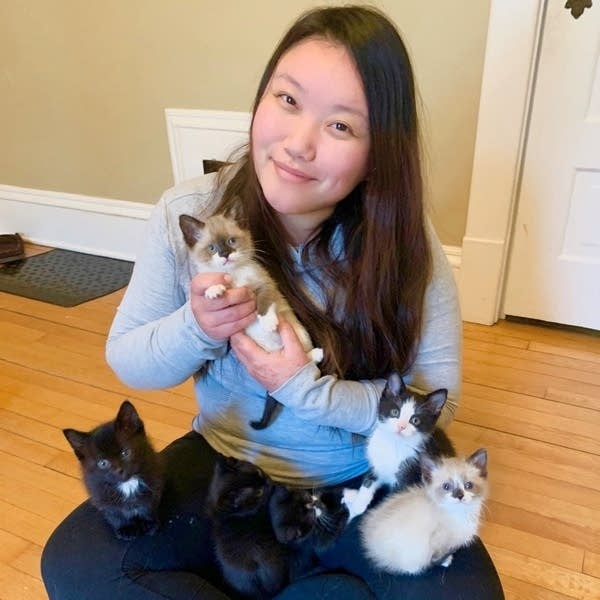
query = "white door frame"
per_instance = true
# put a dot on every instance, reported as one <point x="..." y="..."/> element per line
<point x="512" y="48"/>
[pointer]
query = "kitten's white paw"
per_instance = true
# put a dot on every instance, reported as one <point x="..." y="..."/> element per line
<point x="357" y="501"/>
<point x="214" y="291"/>
<point x="269" y="320"/>
<point x="447" y="561"/>
<point x="316" y="354"/>
<point x="349" y="496"/>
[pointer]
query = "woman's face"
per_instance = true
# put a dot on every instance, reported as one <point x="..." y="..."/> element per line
<point x="310" y="135"/>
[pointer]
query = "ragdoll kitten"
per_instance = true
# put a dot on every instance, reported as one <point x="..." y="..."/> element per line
<point x="406" y="429"/>
<point x="253" y="561"/>
<point x="219" y="244"/>
<point x="422" y="526"/>
<point x="122" y="472"/>
<point x="307" y="523"/>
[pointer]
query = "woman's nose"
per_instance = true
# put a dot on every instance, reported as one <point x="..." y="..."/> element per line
<point x="301" y="143"/>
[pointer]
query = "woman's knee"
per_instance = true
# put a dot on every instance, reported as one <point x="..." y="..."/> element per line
<point x="80" y="555"/>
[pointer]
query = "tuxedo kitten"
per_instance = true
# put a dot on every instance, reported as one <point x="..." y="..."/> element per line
<point x="220" y="245"/>
<point x="122" y="472"/>
<point x="406" y="430"/>
<point x="253" y="561"/>
<point x="307" y="523"/>
<point x="422" y="526"/>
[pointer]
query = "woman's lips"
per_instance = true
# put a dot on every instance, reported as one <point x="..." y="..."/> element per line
<point x="291" y="174"/>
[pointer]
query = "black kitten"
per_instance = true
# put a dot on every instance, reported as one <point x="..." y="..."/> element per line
<point x="306" y="523"/>
<point x="253" y="561"/>
<point x="122" y="472"/>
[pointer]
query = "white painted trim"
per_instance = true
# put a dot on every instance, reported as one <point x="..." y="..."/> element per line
<point x="454" y="256"/>
<point x="512" y="47"/>
<point x="195" y="135"/>
<point x="100" y="226"/>
<point x="89" y="224"/>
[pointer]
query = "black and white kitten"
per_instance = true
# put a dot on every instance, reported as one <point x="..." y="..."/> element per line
<point x="253" y="562"/>
<point x="413" y="530"/>
<point x="122" y="472"/>
<point x="405" y="431"/>
<point x="220" y="245"/>
<point x="307" y="523"/>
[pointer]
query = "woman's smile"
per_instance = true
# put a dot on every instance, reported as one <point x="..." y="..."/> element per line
<point x="291" y="174"/>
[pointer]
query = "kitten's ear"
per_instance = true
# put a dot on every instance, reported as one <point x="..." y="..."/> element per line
<point x="77" y="439"/>
<point x="428" y="466"/>
<point x="395" y="384"/>
<point x="479" y="459"/>
<point x="191" y="229"/>
<point x="128" y="419"/>
<point x="436" y="400"/>
<point x="235" y="211"/>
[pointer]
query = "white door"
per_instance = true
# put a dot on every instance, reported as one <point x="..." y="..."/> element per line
<point x="554" y="266"/>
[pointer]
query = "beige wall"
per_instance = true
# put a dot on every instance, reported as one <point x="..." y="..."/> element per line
<point x="84" y="85"/>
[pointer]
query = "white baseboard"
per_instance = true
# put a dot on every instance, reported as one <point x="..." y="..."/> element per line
<point x="454" y="256"/>
<point x="100" y="226"/>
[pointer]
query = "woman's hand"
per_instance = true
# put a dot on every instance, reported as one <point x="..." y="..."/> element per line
<point x="221" y="317"/>
<point x="271" y="369"/>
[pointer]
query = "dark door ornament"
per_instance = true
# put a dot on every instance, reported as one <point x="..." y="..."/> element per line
<point x="578" y="6"/>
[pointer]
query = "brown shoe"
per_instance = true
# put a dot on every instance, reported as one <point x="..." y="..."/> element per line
<point x="11" y="247"/>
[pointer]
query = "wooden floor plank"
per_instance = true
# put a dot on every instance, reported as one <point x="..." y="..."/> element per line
<point x="16" y="585"/>
<point x="542" y="574"/>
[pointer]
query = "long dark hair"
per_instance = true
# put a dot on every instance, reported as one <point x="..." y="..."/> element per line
<point x="375" y="291"/>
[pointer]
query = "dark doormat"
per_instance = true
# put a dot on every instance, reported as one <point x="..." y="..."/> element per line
<point x="65" y="278"/>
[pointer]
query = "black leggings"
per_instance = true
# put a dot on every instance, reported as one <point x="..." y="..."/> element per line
<point x="83" y="560"/>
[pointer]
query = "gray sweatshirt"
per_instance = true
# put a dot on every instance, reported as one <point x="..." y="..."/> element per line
<point x="155" y="342"/>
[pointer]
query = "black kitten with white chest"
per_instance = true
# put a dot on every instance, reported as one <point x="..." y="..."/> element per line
<point x="122" y="472"/>
<point x="406" y="430"/>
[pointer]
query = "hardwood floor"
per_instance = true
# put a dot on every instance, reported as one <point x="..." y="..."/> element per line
<point x="531" y="397"/>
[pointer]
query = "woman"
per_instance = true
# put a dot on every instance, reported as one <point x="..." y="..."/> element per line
<point x="331" y="191"/>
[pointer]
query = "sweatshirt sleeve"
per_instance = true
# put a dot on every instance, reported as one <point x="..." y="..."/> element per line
<point x="155" y="341"/>
<point x="438" y="362"/>
<point x="353" y="405"/>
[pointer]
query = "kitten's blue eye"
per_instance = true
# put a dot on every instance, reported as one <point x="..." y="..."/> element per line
<point x="103" y="464"/>
<point x="468" y="485"/>
<point x="414" y="420"/>
<point x="394" y="412"/>
<point x="446" y="487"/>
<point x="212" y="248"/>
<point x="126" y="452"/>
<point x="232" y="241"/>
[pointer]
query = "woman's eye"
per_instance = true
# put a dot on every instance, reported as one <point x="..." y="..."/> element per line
<point x="287" y="99"/>
<point x="126" y="452"/>
<point x="103" y="464"/>
<point x="342" y="127"/>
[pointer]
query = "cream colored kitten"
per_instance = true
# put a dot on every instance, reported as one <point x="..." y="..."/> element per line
<point x="220" y="245"/>
<point x="413" y="530"/>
